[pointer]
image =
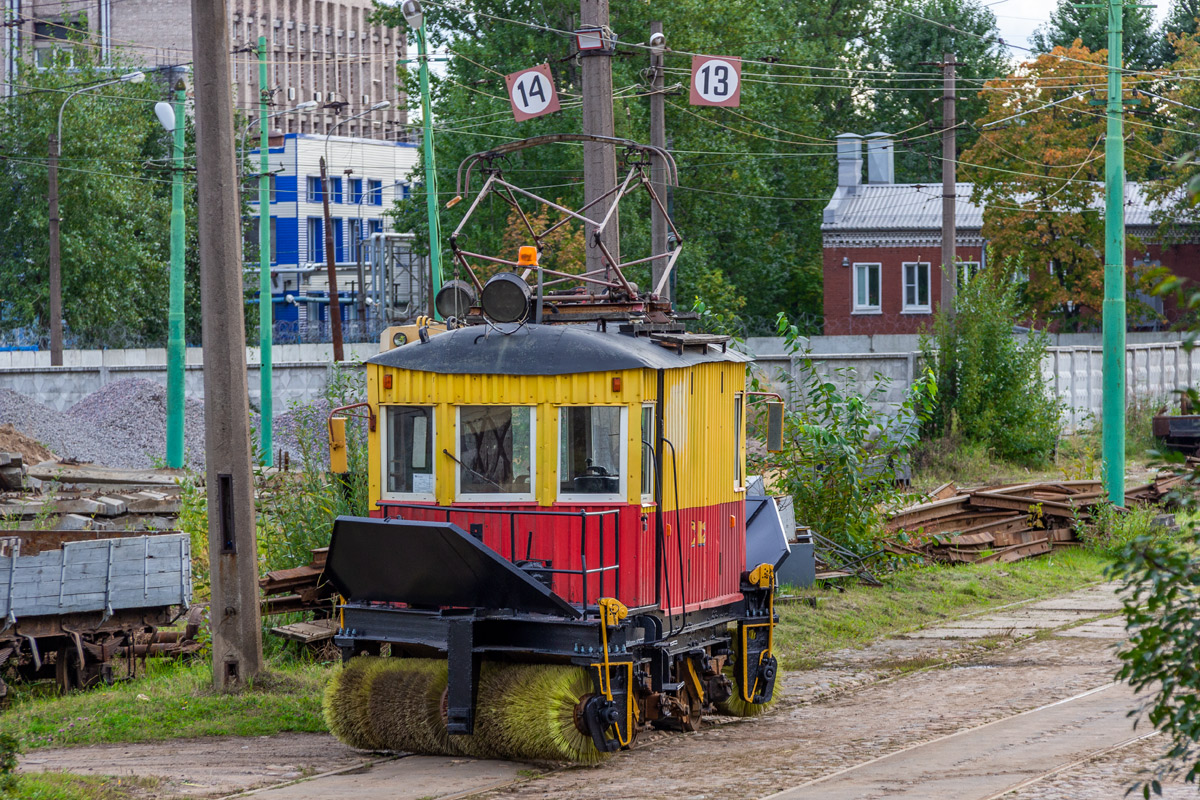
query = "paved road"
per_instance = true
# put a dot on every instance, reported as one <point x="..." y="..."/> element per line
<point x="988" y="760"/>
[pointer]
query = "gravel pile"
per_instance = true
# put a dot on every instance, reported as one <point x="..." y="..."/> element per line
<point x="124" y="425"/>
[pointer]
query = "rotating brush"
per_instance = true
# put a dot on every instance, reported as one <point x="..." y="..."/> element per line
<point x="527" y="711"/>
<point x="346" y="703"/>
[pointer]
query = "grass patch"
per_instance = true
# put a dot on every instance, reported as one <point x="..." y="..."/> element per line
<point x="917" y="596"/>
<point x="173" y="701"/>
<point x="64" y="786"/>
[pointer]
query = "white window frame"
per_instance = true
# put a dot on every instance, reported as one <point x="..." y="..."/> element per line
<point x="916" y="308"/>
<point x="966" y="266"/>
<point x="382" y="418"/>
<point x="622" y="468"/>
<point x="497" y="497"/>
<point x="866" y="309"/>
<point x="648" y="499"/>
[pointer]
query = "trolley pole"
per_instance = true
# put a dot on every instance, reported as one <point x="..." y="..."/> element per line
<point x="176" y="345"/>
<point x="266" y="319"/>
<point x="232" y="546"/>
<point x="599" y="158"/>
<point x="1113" y="405"/>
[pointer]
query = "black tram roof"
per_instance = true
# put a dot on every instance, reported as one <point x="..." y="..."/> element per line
<point x="550" y="350"/>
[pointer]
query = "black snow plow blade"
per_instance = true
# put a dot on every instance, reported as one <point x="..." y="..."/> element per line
<point x="430" y="565"/>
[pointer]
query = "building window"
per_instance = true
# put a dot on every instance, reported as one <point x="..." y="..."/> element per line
<point x="335" y="190"/>
<point x="316" y="240"/>
<point x="648" y="444"/>
<point x="966" y="272"/>
<point x="916" y="288"/>
<point x="356" y="193"/>
<point x="866" y="288"/>
<point x="408" y="462"/>
<point x="591" y="447"/>
<point x="376" y="191"/>
<point x="354" y="239"/>
<point x="314" y="190"/>
<point x="495" y="452"/>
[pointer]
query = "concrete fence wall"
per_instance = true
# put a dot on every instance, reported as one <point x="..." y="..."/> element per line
<point x="1154" y="370"/>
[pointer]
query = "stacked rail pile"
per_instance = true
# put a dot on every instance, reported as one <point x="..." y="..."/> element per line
<point x="1004" y="523"/>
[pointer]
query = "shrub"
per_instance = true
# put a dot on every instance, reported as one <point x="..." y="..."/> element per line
<point x="840" y="453"/>
<point x="990" y="385"/>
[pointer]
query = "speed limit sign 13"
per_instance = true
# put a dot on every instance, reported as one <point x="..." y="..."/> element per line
<point x="716" y="81"/>
<point x="531" y="92"/>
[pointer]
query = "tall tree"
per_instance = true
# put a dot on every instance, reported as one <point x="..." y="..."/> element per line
<point x="910" y="101"/>
<point x="115" y="214"/>
<point x="1039" y="177"/>
<point x="1141" y="46"/>
<point x="753" y="179"/>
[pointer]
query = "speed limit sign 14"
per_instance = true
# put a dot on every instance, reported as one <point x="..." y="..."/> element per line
<point x="716" y="81"/>
<point x="531" y="92"/>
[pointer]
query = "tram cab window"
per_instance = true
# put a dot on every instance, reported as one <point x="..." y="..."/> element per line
<point x="495" y="452"/>
<point x="591" y="451"/>
<point x="409" y="454"/>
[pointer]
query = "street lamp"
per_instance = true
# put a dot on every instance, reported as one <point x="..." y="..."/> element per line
<point x="55" y="269"/>
<point x="335" y="309"/>
<point x="415" y="17"/>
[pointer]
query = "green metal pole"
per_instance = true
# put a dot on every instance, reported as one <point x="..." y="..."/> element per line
<point x="1113" y="411"/>
<point x="176" y="347"/>
<point x="431" y="201"/>
<point x="266" y="321"/>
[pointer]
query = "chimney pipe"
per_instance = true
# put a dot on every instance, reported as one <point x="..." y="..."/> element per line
<point x="881" y="165"/>
<point x="849" y="161"/>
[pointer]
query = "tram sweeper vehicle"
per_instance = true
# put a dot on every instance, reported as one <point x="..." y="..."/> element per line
<point x="556" y="553"/>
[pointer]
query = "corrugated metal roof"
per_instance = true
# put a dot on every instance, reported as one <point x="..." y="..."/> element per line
<point x="918" y="206"/>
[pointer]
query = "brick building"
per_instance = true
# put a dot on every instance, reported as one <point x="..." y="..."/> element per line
<point x="882" y="244"/>
<point x="322" y="50"/>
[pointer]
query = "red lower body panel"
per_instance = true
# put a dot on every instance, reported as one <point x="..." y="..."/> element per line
<point x="617" y="550"/>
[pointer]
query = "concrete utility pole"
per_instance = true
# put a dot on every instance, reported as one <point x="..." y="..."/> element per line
<point x="335" y="308"/>
<point x="233" y="551"/>
<point x="266" y="308"/>
<point x="1113" y="317"/>
<point x="658" y="138"/>
<point x="949" y="162"/>
<point x="56" y="343"/>
<point x="599" y="159"/>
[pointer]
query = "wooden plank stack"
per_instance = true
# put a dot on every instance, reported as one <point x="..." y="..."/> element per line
<point x="1003" y="523"/>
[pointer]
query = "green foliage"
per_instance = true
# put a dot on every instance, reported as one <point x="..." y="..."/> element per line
<point x="296" y="509"/>
<point x="1162" y="654"/>
<point x="1140" y="43"/>
<point x="840" y="450"/>
<point x="907" y="45"/>
<point x="990" y="385"/>
<point x="1111" y="530"/>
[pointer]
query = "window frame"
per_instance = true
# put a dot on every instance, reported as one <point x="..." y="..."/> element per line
<point x="384" y="436"/>
<point x="648" y="452"/>
<point x="496" y="497"/>
<point x="739" y="441"/>
<point x="916" y="308"/>
<point x="855" y="308"/>
<point x="622" y="468"/>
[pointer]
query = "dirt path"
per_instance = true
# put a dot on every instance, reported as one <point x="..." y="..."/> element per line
<point x="862" y="705"/>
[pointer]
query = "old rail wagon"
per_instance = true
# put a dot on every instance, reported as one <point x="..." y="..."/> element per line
<point x="556" y="553"/>
<point x="71" y="601"/>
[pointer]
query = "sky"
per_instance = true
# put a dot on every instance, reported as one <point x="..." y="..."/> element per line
<point x="1018" y="18"/>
